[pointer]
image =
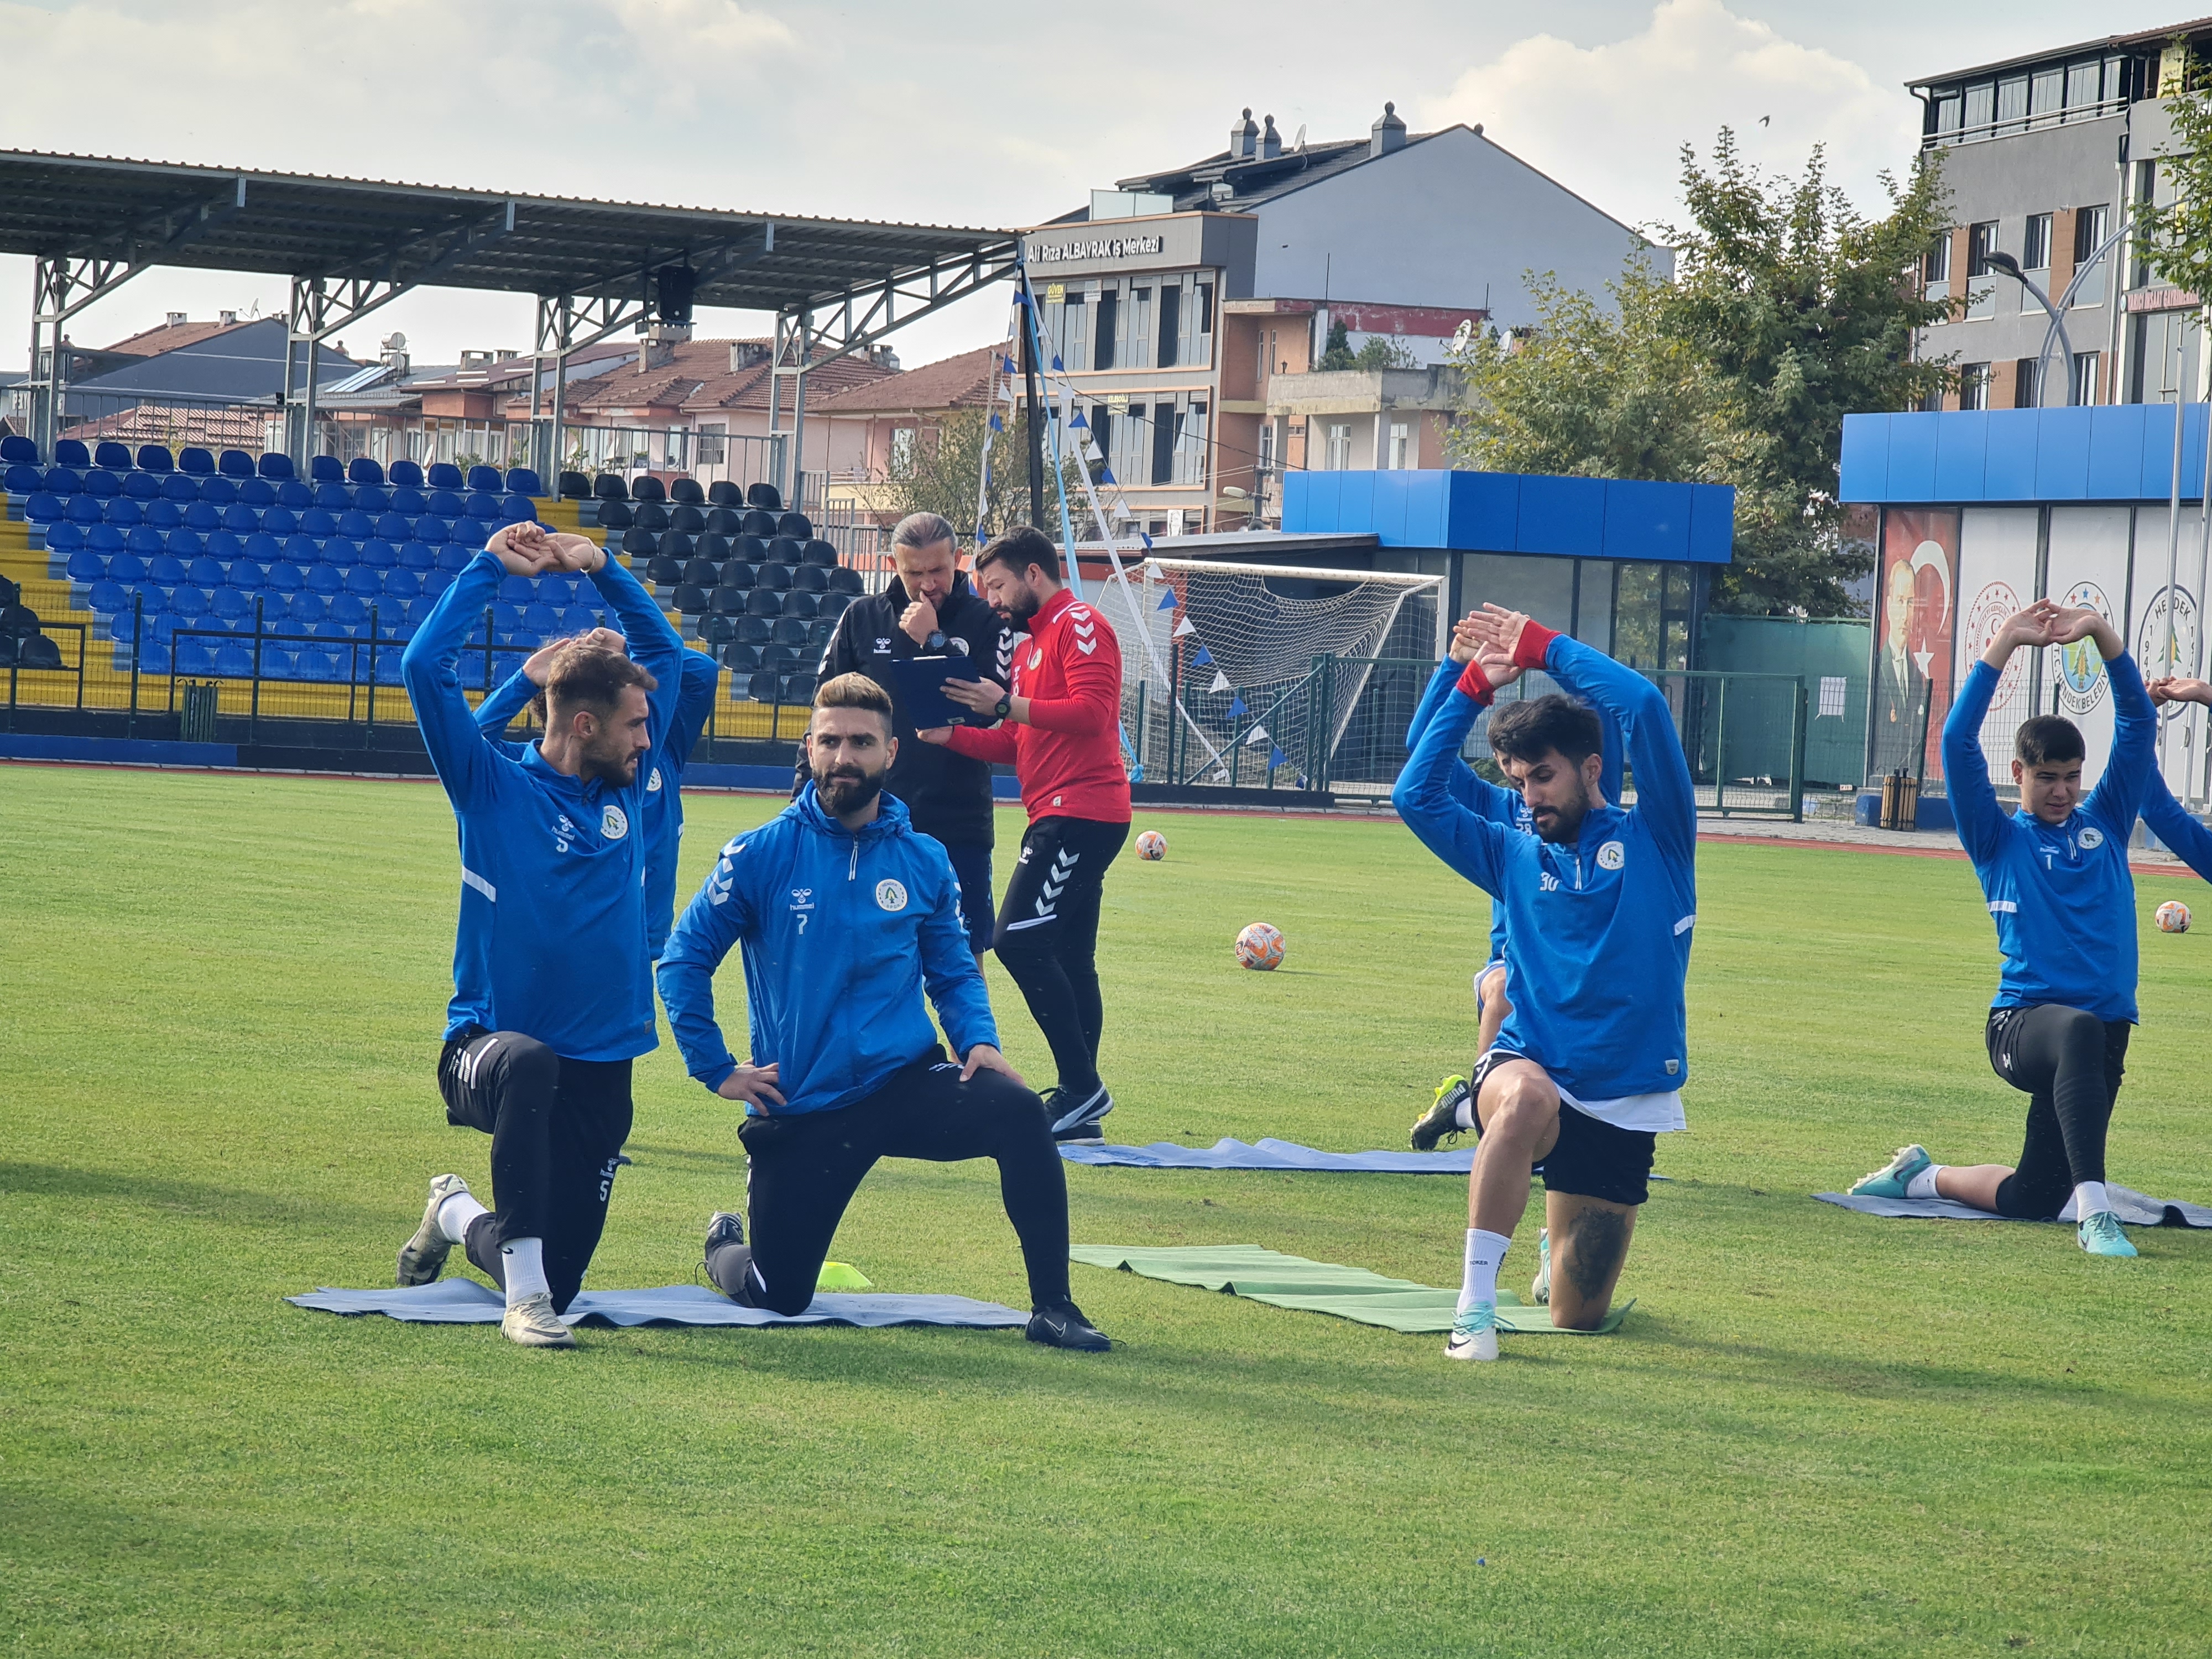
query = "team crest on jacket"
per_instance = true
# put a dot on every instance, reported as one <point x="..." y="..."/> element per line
<point x="890" y="894"/>
<point x="613" y="826"/>
<point x="653" y="783"/>
<point x="1036" y="659"/>
<point x="1611" y="855"/>
<point x="2091" y="838"/>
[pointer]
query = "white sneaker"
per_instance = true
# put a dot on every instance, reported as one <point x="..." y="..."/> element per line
<point x="1473" y="1333"/>
<point x="532" y="1323"/>
<point x="422" y="1257"/>
<point x="1540" y="1288"/>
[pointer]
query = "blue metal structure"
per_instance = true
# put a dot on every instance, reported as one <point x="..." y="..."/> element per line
<point x="2120" y="452"/>
<point x="1517" y="512"/>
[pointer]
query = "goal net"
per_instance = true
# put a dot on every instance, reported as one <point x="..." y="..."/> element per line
<point x="1259" y="674"/>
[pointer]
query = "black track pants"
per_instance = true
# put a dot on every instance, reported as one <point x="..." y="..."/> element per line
<point x="1048" y="938"/>
<point x="2070" y="1064"/>
<point x="557" y="1127"/>
<point x="805" y="1166"/>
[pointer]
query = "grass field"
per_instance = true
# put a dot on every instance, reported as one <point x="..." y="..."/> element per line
<point x="1818" y="1433"/>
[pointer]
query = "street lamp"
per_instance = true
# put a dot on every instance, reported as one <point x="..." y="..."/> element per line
<point x="2057" y="331"/>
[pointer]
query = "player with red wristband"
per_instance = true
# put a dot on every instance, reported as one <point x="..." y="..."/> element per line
<point x="1587" y="1068"/>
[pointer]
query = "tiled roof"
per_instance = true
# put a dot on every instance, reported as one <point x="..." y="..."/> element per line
<point x="959" y="382"/>
<point x="170" y="337"/>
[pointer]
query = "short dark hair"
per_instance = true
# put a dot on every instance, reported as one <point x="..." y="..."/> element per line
<point x="1020" y="548"/>
<point x="2044" y="738"/>
<point x="855" y="690"/>
<point x="592" y="676"/>
<point x="920" y="530"/>
<point x="1533" y="727"/>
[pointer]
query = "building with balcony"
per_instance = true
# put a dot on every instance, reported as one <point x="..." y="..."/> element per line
<point x="2045" y="156"/>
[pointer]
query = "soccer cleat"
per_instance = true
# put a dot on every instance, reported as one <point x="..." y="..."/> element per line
<point x="422" y="1257"/>
<point x="1062" y="1325"/>
<point x="723" y="1228"/>
<point x="1540" y="1288"/>
<point x="532" y="1323"/>
<point x="1077" y="1124"/>
<point x="1473" y="1333"/>
<point x="1891" y="1180"/>
<point x="1441" y="1121"/>
<point x="2100" y="1234"/>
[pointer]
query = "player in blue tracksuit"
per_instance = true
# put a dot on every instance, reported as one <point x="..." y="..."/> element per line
<point x="846" y="916"/>
<point x="1444" y="1119"/>
<point x="2055" y="873"/>
<point x="2185" y="837"/>
<point x="664" y="776"/>
<point x="1589" y="1064"/>
<point x="552" y="982"/>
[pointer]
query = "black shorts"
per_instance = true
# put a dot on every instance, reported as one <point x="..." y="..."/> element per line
<point x="1591" y="1157"/>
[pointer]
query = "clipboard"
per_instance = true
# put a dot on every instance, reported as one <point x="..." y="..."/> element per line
<point x="921" y="688"/>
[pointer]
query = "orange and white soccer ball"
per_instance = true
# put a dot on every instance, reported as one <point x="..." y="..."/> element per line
<point x="1152" y="846"/>
<point x="1260" y="946"/>
<point x="2173" y="917"/>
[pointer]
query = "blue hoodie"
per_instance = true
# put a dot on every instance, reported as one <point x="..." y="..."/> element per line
<point x="1600" y="930"/>
<point x="2186" y="838"/>
<point x="2060" y="894"/>
<point x="1500" y="805"/>
<point x="552" y="941"/>
<point x="663" y="782"/>
<point x="843" y="931"/>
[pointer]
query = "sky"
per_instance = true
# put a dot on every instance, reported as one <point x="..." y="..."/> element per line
<point x="949" y="111"/>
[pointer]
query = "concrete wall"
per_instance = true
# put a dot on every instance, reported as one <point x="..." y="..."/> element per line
<point x="1439" y="223"/>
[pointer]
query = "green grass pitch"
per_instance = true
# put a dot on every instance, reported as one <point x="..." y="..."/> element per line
<point x="1818" y="1433"/>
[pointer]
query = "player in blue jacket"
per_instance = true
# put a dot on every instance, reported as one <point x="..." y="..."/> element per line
<point x="847" y="914"/>
<point x="2185" y="837"/>
<point x="664" y="776"/>
<point x="552" y="985"/>
<point x="2055" y="873"/>
<point x="1589" y="1065"/>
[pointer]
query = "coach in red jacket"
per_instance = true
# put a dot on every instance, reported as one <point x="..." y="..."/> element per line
<point x="1060" y="727"/>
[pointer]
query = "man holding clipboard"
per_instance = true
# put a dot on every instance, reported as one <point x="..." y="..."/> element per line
<point x="930" y="613"/>
<point x="1059" y="725"/>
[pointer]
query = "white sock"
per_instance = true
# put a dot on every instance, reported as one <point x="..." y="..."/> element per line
<point x="1923" y="1184"/>
<point x="1464" y="1114"/>
<point x="523" y="1261"/>
<point x="2089" y="1198"/>
<point x="455" y="1216"/>
<point x="1485" y="1253"/>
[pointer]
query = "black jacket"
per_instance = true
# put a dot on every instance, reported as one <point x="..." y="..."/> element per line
<point x="949" y="795"/>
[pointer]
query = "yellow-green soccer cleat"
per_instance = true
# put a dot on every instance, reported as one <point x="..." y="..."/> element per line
<point x="1441" y="1121"/>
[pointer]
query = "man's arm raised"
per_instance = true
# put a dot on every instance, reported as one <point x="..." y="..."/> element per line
<point x="430" y="665"/>
<point x="1975" y="808"/>
<point x="1470" y="842"/>
<point x="2118" y="796"/>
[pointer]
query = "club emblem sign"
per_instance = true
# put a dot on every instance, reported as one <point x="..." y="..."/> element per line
<point x="2080" y="683"/>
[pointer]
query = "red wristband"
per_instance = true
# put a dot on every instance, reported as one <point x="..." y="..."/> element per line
<point x="1535" y="640"/>
<point x="1474" y="682"/>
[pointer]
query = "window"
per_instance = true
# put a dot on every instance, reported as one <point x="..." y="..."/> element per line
<point x="1339" y="458"/>
<point x="1936" y="268"/>
<point x="2046" y="94"/>
<point x="1140" y="327"/>
<point x="2082" y="385"/>
<point x="1948" y="105"/>
<point x="2035" y="243"/>
<point x="1401" y="446"/>
<point x="2027" y="383"/>
<point x="1170" y="323"/>
<point x="1190" y="446"/>
<point x="1974" y="385"/>
<point x="1066" y="333"/>
<point x="902" y="452"/>
<point x="1202" y="324"/>
<point x="2165" y="357"/>
<point x="1981" y="242"/>
<point x="1266" y="448"/>
<point x="1101" y="420"/>
<point x="2092" y="226"/>
<point x="1981" y="109"/>
<point x="2012" y="104"/>
<point x="2082" y="91"/>
<point x="1167" y="438"/>
<point x="1106" y="330"/>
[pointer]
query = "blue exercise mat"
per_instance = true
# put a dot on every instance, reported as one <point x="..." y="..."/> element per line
<point x="468" y="1302"/>
<point x="2131" y="1206"/>
<point x="1271" y="1154"/>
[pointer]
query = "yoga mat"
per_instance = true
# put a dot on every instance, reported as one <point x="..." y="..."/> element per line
<point x="1271" y="1154"/>
<point x="467" y="1301"/>
<point x="1293" y="1282"/>
<point x="2131" y="1206"/>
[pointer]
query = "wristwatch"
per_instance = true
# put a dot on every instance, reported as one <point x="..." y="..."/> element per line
<point x="935" y="641"/>
<point x="1004" y="709"/>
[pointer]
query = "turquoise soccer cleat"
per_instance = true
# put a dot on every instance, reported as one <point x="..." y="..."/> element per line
<point x="1891" y="1180"/>
<point x="1540" y="1288"/>
<point x="2100" y="1235"/>
<point x="1473" y="1333"/>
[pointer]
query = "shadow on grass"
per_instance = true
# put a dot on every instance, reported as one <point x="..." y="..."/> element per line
<point x="190" y="1197"/>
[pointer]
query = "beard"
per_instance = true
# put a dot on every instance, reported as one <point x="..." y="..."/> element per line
<point x="1021" y="607"/>
<point x="1561" y="825"/>
<point x="847" y="789"/>
<point x="618" y="768"/>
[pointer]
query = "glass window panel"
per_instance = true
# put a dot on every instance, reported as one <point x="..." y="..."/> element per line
<point x="2035" y="244"/>
<point x="2082" y="89"/>
<point x="2012" y="103"/>
<point x="2046" y="91"/>
<point x="1948" y="109"/>
<point x="1981" y="107"/>
<point x="1636" y="615"/>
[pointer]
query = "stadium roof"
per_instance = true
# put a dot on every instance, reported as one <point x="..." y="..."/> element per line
<point x="307" y="225"/>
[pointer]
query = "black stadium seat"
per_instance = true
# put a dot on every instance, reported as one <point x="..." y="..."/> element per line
<point x="37" y="651"/>
<point x="664" y="573"/>
<point x="610" y="487"/>
<point x="736" y="573"/>
<point x="576" y="486"/>
<point x="653" y="516"/>
<point x="730" y="601"/>
<point x="725" y="521"/>
<point x="711" y="546"/>
<point x="689" y="519"/>
<point x="786" y="550"/>
<point x="754" y="630"/>
<point x="764" y="602"/>
<point x="616" y="515"/>
<point x="798" y="689"/>
<point x="702" y="573"/>
<point x="763" y="686"/>
<point x="691" y="601"/>
<point x="675" y="543"/>
<point x="795" y="525"/>
<point x="811" y="578"/>
<point x="764" y="496"/>
<point x="800" y="603"/>
<point x="635" y="541"/>
<point x="777" y="576"/>
<point x="718" y="629"/>
<point x="687" y="491"/>
<point x="790" y="631"/>
<point x="760" y="523"/>
<point x="646" y="488"/>
<point x="723" y="493"/>
<point x="782" y="655"/>
<point x="845" y="579"/>
<point x="819" y="552"/>
<point x="751" y="548"/>
<point x="741" y="658"/>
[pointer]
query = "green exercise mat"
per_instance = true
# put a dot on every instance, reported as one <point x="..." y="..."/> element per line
<point x="1292" y="1281"/>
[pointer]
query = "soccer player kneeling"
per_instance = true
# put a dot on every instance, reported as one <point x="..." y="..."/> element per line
<point x="1589" y="1065"/>
<point x="846" y="914"/>
<point x="2055" y="873"/>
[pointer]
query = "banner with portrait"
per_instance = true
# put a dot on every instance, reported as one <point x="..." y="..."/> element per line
<point x="2088" y="566"/>
<point x="1915" y="617"/>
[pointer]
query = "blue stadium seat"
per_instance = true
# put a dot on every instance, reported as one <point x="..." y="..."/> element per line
<point x="205" y="517"/>
<point x="188" y="601"/>
<point x="64" y="538"/>
<point x="372" y="498"/>
<point x="110" y="455"/>
<point x="294" y="495"/>
<point x="142" y="486"/>
<point x="444" y="475"/>
<point x="86" y="566"/>
<point x="506" y="617"/>
<point x="341" y="550"/>
<point x="219" y="491"/>
<point x="179" y="487"/>
<point x="44" y="507"/>
<point x="195" y="657"/>
<point x="483" y="509"/>
<point x="543" y="620"/>
<point x="401" y="584"/>
<point x="521" y="481"/>
<point x="222" y="544"/>
<point x="279" y="663"/>
<point x="349" y="610"/>
<point x="66" y="480"/>
<point x="234" y="463"/>
<point x="279" y="521"/>
<point x="393" y="527"/>
<point x="248" y="574"/>
<point x="433" y="529"/>
<point x="257" y="492"/>
<point x="165" y="515"/>
<point x="363" y="470"/>
<point x="71" y="451"/>
<point x="517" y="509"/>
<point x="283" y="576"/>
<point x="320" y="523"/>
<point x="147" y="542"/>
<point x="324" y="579"/>
<point x="204" y="572"/>
<point x="517" y="590"/>
<point x="161" y="568"/>
<point x="22" y="478"/>
<point x="355" y="524"/>
<point x="155" y="458"/>
<point x="277" y="465"/>
<point x="229" y="603"/>
<point x="406" y="475"/>
<point x="153" y="658"/>
<point x="108" y="597"/>
<point x="307" y="609"/>
<point x="241" y="520"/>
<point x="333" y="497"/>
<point x="326" y="469"/>
<point x="454" y="560"/>
<point x="364" y="580"/>
<point x="378" y="554"/>
<point x="122" y="510"/>
<point x="486" y="477"/>
<point x="417" y="556"/>
<point x="103" y="539"/>
<point x="302" y="550"/>
<point x="407" y="502"/>
<point x="84" y="510"/>
<point x="17" y="451"/>
<point x="322" y="667"/>
<point x="444" y="503"/>
<point x="235" y="662"/>
<point x="556" y="589"/>
<point x="578" y="619"/>
<point x="436" y="583"/>
<point x="197" y="462"/>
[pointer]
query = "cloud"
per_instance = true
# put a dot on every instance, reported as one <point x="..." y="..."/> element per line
<point x="1609" y="120"/>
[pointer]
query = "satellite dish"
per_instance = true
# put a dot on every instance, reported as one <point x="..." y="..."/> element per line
<point x="1299" y="143"/>
<point x="397" y="341"/>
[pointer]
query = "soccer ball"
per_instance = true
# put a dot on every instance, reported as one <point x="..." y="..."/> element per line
<point x="1260" y="946"/>
<point x="1152" y="846"/>
<point x="2173" y="917"/>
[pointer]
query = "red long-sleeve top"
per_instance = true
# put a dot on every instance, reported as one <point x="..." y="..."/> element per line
<point x="1068" y="755"/>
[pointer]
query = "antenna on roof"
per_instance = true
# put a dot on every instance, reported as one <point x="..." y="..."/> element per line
<point x="1299" y="143"/>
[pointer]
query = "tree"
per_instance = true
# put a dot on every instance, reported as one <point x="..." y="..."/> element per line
<point x="2175" y="239"/>
<point x="1337" y="354"/>
<point x="942" y="479"/>
<point x="1385" y="351"/>
<point x="1788" y="310"/>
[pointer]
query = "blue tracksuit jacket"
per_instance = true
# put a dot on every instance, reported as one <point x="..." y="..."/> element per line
<point x="552" y="937"/>
<point x="1502" y="805"/>
<point x="842" y="933"/>
<point x="2184" y="837"/>
<point x="2060" y="894"/>
<point x="664" y="783"/>
<point x="1600" y="930"/>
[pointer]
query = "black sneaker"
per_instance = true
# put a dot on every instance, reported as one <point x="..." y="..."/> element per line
<point x="723" y="1228"/>
<point x="1441" y="1121"/>
<point x="1061" y="1325"/>
<point x="1077" y="1124"/>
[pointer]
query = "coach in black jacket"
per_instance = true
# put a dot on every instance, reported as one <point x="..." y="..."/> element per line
<point x="929" y="609"/>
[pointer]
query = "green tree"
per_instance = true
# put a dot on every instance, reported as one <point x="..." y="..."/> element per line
<point x="1337" y="354"/>
<point x="943" y="475"/>
<point x="1788" y="309"/>
<point x="1385" y="351"/>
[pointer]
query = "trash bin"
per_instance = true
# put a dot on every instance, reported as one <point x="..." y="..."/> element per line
<point x="198" y="723"/>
